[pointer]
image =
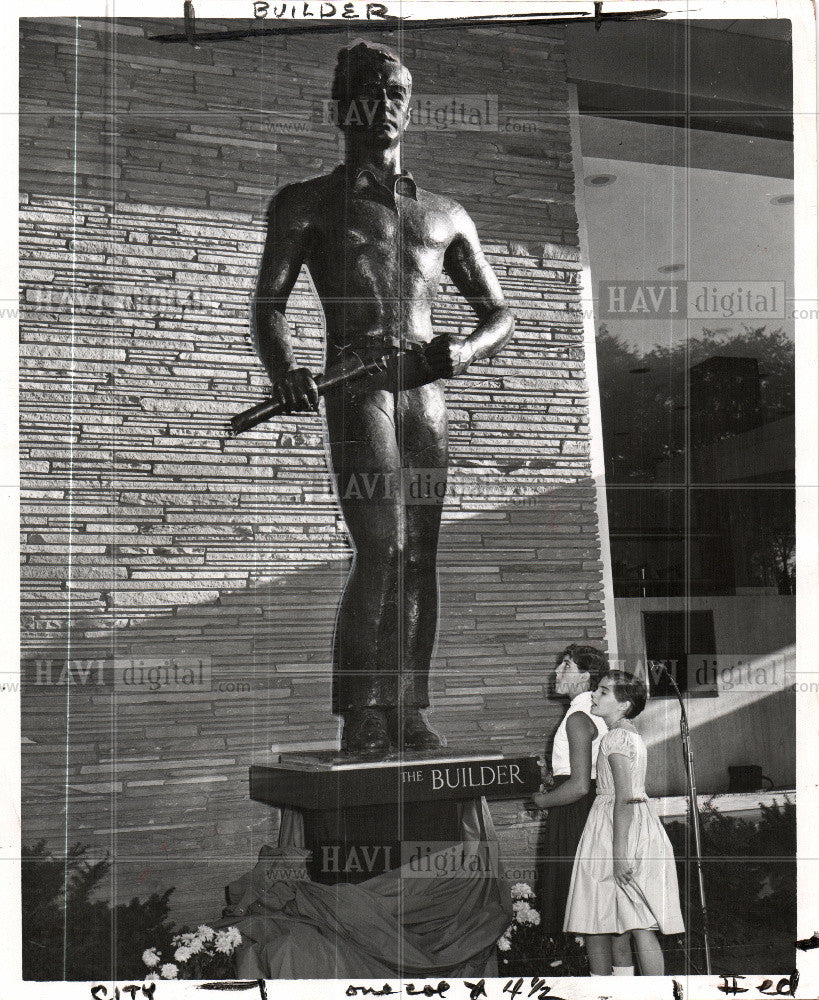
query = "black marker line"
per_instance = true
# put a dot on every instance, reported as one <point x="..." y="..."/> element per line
<point x="808" y="944"/>
<point x="236" y="984"/>
<point x="392" y="23"/>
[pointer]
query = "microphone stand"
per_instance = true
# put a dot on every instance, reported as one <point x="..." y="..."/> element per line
<point x="693" y="811"/>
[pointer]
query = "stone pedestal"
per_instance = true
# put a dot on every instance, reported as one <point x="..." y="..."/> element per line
<point x="360" y="817"/>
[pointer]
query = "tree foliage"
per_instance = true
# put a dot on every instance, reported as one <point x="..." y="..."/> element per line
<point x="643" y="395"/>
<point x="68" y="935"/>
<point x="644" y="400"/>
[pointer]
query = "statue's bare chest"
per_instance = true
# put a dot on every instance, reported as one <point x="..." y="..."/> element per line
<point x="371" y="234"/>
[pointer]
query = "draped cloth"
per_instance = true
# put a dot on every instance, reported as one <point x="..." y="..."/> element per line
<point x="441" y="920"/>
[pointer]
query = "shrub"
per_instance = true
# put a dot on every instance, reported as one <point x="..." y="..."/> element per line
<point x="749" y="871"/>
<point x="69" y="936"/>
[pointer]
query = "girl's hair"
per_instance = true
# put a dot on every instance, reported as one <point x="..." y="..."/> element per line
<point x="589" y="659"/>
<point x="630" y="688"/>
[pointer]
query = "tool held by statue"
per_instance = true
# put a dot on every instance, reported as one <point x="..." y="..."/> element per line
<point x="399" y="368"/>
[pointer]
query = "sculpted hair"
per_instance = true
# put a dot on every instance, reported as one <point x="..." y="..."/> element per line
<point x="628" y="687"/>
<point x="589" y="660"/>
<point x="356" y="59"/>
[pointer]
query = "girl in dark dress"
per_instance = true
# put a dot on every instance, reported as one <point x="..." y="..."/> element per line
<point x="568" y="801"/>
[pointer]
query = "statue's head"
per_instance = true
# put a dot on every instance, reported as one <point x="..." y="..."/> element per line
<point x="371" y="90"/>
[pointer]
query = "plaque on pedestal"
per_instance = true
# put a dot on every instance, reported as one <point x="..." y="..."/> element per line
<point x="325" y="780"/>
<point x="364" y="816"/>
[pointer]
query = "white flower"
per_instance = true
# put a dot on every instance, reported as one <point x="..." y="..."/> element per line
<point x="151" y="977"/>
<point x="150" y="957"/>
<point x="196" y="945"/>
<point x="525" y="913"/>
<point x="580" y="941"/>
<point x="169" y="971"/>
<point x="520" y="890"/>
<point x="205" y="933"/>
<point x="224" y="942"/>
<point x="182" y="953"/>
<point x="234" y="936"/>
<point x="504" y="943"/>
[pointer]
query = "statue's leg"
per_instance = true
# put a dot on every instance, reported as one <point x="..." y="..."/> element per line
<point x="423" y="441"/>
<point x="366" y="465"/>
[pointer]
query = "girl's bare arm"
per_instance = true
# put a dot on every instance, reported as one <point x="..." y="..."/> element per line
<point x="623" y="808"/>
<point x="581" y="732"/>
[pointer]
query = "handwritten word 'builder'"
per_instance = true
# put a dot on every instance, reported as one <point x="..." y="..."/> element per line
<point x="325" y="9"/>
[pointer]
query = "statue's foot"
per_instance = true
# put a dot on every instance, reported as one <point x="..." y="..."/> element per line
<point x="416" y="733"/>
<point x="365" y="731"/>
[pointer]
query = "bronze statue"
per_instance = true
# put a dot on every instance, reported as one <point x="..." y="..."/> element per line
<point x="376" y="245"/>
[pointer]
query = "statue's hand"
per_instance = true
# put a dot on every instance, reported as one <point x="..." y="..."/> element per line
<point x="448" y="355"/>
<point x="296" y="390"/>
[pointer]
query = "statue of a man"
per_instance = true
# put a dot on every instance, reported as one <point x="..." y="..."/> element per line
<point x="376" y="245"/>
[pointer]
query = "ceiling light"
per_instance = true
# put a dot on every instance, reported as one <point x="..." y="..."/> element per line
<point x="782" y="199"/>
<point x="600" y="180"/>
<point x="671" y="268"/>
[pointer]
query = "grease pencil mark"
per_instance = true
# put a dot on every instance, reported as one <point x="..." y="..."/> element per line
<point x="378" y="17"/>
<point x="237" y="984"/>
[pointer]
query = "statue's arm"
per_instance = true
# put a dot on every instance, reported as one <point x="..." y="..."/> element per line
<point x="285" y="249"/>
<point x="469" y="270"/>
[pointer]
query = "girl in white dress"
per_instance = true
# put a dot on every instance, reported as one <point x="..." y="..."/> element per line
<point x="624" y="882"/>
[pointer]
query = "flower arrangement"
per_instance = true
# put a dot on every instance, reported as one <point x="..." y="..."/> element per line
<point x="524" y="950"/>
<point x="201" y="954"/>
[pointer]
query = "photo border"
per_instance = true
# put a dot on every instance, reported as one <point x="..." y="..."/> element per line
<point x="806" y="490"/>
